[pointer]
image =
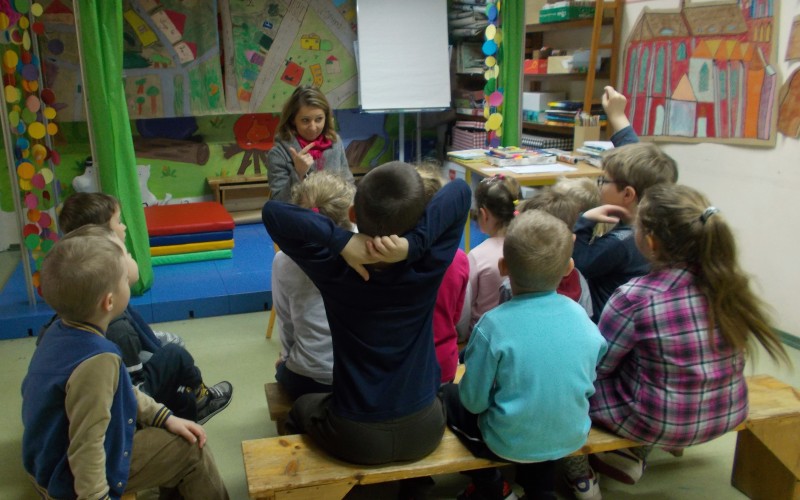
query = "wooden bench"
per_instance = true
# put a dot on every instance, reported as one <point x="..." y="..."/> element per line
<point x="766" y="463"/>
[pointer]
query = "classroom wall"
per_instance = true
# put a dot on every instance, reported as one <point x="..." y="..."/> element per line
<point x="755" y="188"/>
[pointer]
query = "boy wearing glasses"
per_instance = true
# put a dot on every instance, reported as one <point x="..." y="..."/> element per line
<point x="628" y="170"/>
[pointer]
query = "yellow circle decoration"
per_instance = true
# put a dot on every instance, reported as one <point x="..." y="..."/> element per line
<point x="494" y="122"/>
<point x="39" y="153"/>
<point x="52" y="128"/>
<point x="37" y="9"/>
<point x="488" y="74"/>
<point x="25" y="184"/>
<point x="498" y="38"/>
<point x="23" y="23"/>
<point x="36" y="130"/>
<point x="25" y="170"/>
<point x="490" y="61"/>
<point x="49" y="112"/>
<point x="10" y="59"/>
<point x="491" y="31"/>
<point x="47" y="174"/>
<point x="26" y="38"/>
<point x="12" y="93"/>
<point x="4" y="21"/>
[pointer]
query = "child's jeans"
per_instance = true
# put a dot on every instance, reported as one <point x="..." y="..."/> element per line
<point x="537" y="478"/>
<point x="297" y="385"/>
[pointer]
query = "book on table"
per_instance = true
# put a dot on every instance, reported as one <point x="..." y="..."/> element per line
<point x="515" y="156"/>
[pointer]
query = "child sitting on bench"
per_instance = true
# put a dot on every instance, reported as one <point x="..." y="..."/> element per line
<point x="530" y="367"/>
<point x="306" y="360"/>
<point x="384" y="406"/>
<point x="673" y="375"/>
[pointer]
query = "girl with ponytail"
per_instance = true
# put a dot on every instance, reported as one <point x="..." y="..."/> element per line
<point x="677" y="337"/>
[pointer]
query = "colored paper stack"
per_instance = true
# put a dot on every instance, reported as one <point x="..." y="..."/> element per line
<point x="189" y="232"/>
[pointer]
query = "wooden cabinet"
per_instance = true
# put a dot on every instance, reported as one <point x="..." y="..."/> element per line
<point x="599" y="35"/>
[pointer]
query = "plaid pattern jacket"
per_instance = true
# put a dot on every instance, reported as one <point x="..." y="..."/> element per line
<point x="661" y="381"/>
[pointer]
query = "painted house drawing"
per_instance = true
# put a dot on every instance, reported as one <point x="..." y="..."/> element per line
<point x="703" y="73"/>
<point x="310" y="42"/>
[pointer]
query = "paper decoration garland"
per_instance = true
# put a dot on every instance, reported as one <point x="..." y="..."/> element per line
<point x="30" y="114"/>
<point x="492" y="110"/>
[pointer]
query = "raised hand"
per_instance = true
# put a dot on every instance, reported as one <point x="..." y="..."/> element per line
<point x="614" y="104"/>
<point x="302" y="161"/>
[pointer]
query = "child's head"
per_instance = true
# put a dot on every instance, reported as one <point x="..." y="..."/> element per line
<point x="537" y="252"/>
<point x="678" y="226"/>
<point x="328" y="194"/>
<point x="631" y="170"/>
<point x="85" y="275"/>
<point x="555" y="203"/>
<point x="496" y="196"/>
<point x="91" y="208"/>
<point x="390" y="199"/>
<point x="431" y="175"/>
<point x="583" y="190"/>
<point x="308" y="114"/>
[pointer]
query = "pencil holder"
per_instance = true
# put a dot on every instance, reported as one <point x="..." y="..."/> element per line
<point x="585" y="133"/>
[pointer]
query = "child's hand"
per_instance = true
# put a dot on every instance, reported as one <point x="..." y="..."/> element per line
<point x="356" y="254"/>
<point x="609" y="213"/>
<point x="188" y="430"/>
<point x="302" y="160"/>
<point x="614" y="104"/>
<point x="388" y="248"/>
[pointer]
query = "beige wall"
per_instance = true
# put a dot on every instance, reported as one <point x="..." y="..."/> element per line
<point x="757" y="189"/>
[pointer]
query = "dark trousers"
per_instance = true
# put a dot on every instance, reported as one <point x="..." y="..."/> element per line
<point x="406" y="438"/>
<point x="297" y="385"/>
<point x="166" y="373"/>
<point x="537" y="479"/>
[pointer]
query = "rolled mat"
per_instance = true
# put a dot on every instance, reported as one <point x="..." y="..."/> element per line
<point x="182" y="258"/>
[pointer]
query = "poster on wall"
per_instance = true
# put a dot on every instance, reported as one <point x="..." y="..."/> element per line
<point x="272" y="47"/>
<point x="176" y="52"/>
<point x="704" y="73"/>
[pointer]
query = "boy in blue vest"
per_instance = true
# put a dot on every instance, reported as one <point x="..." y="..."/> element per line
<point x="88" y="432"/>
<point x="530" y="367"/>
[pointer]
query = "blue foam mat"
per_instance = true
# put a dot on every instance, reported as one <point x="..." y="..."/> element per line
<point x="180" y="291"/>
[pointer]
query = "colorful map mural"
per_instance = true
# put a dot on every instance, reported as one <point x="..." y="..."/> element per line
<point x="705" y="73"/>
<point x="177" y="51"/>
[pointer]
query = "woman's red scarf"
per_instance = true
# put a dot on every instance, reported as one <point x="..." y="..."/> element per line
<point x="321" y="143"/>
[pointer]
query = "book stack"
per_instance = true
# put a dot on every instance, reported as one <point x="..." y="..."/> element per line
<point x="564" y="113"/>
<point x="515" y="156"/>
<point x="469" y="102"/>
<point x="594" y="150"/>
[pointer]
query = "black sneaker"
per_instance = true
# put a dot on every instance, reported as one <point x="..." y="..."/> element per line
<point x="218" y="397"/>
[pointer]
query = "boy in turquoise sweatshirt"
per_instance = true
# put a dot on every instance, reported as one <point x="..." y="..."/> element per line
<point x="510" y="405"/>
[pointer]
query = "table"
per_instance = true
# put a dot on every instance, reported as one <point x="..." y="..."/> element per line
<point x="484" y="169"/>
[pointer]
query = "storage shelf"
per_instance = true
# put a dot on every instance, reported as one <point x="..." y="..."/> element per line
<point x="461" y="116"/>
<point x="564" y="25"/>
<point x="565" y="76"/>
<point x="543" y="127"/>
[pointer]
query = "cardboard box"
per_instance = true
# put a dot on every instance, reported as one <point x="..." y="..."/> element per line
<point x="578" y="10"/>
<point x="532" y="8"/>
<point x="537" y="101"/>
<point x="559" y="64"/>
<point x="534" y="66"/>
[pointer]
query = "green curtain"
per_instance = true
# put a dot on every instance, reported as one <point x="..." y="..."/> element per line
<point x="100" y="38"/>
<point x="513" y="17"/>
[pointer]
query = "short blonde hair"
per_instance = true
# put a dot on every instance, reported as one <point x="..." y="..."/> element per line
<point x="640" y="165"/>
<point x="80" y="269"/>
<point x="558" y="204"/>
<point x="537" y="250"/>
<point x="583" y="190"/>
<point x="431" y="175"/>
<point x="330" y="194"/>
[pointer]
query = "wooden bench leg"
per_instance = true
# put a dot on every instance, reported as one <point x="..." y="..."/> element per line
<point x="271" y="323"/>
<point x="767" y="460"/>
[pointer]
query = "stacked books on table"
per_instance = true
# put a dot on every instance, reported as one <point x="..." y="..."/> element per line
<point x="594" y="151"/>
<point x="516" y="156"/>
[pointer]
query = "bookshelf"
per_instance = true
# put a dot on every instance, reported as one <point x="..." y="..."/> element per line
<point x="600" y="35"/>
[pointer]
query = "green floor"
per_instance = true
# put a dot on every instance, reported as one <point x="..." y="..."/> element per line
<point x="233" y="348"/>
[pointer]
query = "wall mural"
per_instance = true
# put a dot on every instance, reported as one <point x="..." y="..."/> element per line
<point x="704" y="73"/>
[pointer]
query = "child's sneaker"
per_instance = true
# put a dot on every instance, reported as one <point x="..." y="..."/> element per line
<point x="213" y="400"/>
<point x="620" y="465"/>
<point x="169" y="338"/>
<point x="472" y="493"/>
<point x="586" y="488"/>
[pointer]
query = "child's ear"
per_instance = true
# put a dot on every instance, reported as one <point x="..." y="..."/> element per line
<point x="629" y="195"/>
<point x="502" y="266"/>
<point x="351" y="213"/>
<point x="107" y="302"/>
<point x="652" y="243"/>
<point x="570" y="267"/>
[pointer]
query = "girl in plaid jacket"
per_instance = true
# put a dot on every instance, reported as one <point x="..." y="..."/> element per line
<point x="677" y="337"/>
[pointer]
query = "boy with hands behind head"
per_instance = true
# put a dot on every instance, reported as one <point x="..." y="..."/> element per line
<point x="509" y="404"/>
<point x="79" y="410"/>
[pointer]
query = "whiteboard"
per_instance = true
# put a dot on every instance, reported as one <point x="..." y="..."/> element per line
<point x="403" y="56"/>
